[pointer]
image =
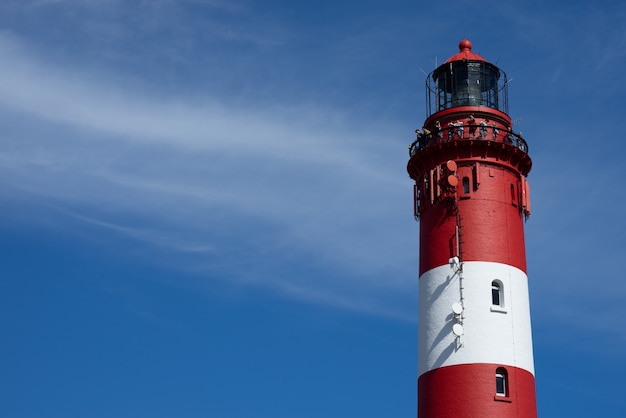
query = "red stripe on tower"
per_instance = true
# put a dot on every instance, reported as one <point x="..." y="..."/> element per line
<point x="475" y="354"/>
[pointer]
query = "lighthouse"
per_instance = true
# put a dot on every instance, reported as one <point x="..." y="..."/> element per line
<point x="471" y="197"/>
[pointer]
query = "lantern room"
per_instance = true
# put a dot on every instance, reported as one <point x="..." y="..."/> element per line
<point x="466" y="79"/>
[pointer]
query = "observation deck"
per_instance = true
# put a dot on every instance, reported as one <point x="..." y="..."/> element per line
<point x="463" y="141"/>
<point x="467" y="115"/>
<point x="456" y="131"/>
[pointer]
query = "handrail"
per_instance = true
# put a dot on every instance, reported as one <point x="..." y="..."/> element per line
<point x="461" y="132"/>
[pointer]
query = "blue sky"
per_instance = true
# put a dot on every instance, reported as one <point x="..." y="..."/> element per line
<point x="206" y="211"/>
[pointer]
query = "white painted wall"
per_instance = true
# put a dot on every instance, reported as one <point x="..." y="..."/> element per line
<point x="490" y="336"/>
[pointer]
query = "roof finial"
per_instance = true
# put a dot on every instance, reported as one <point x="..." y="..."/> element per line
<point x="465" y="45"/>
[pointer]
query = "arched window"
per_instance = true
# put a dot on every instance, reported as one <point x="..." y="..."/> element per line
<point x="502" y="382"/>
<point x="513" y="196"/>
<point x="466" y="185"/>
<point x="496" y="293"/>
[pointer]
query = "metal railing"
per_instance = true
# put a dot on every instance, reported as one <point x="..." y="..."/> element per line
<point x="462" y="132"/>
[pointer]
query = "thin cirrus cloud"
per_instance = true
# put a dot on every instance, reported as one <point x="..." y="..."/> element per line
<point x="210" y="179"/>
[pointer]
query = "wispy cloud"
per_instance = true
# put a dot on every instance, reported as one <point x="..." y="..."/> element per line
<point x="201" y="171"/>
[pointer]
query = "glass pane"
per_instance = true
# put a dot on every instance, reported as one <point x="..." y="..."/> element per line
<point x="495" y="294"/>
<point x="500" y="385"/>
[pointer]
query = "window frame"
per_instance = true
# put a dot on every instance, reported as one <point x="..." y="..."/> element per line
<point x="467" y="187"/>
<point x="501" y="308"/>
<point x="502" y="382"/>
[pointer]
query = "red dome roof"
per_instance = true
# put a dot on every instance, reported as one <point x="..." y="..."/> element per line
<point x="465" y="53"/>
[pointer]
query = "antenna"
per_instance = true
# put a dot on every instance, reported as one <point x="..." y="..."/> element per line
<point x="455" y="263"/>
<point x="457" y="308"/>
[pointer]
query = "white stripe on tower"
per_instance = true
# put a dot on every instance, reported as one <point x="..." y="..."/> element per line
<point x="493" y="334"/>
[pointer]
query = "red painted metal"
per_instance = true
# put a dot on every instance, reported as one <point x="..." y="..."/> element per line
<point x="526" y="197"/>
<point x="479" y="112"/>
<point x="491" y="224"/>
<point x="465" y="53"/>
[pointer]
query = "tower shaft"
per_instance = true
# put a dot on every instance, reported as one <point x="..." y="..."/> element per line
<point x="471" y="196"/>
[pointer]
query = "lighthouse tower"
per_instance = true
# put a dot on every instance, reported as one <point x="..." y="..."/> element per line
<point x="471" y="196"/>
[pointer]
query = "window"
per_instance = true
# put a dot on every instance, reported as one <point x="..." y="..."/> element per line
<point x="496" y="293"/>
<point x="467" y="83"/>
<point x="502" y="384"/>
<point x="513" y="195"/>
<point x="466" y="185"/>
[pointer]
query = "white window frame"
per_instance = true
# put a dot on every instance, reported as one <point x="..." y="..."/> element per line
<point x="500" y="306"/>
<point x="502" y="380"/>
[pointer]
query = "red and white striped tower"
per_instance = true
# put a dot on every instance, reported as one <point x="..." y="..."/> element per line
<point x="475" y="357"/>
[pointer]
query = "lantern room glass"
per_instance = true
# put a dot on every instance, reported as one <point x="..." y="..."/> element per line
<point x="466" y="83"/>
